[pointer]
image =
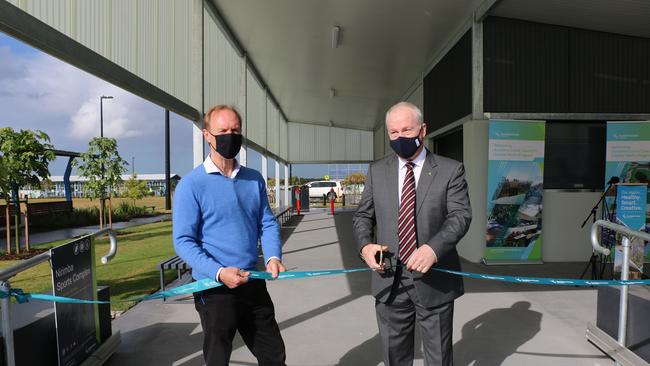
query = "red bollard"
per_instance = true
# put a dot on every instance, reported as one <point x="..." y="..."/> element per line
<point x="331" y="196"/>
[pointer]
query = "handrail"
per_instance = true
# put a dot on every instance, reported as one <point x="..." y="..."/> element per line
<point x="9" y="272"/>
<point x="5" y="286"/>
<point x="595" y="242"/>
<point x="625" y="267"/>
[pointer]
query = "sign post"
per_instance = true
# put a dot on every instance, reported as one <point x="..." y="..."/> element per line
<point x="73" y="275"/>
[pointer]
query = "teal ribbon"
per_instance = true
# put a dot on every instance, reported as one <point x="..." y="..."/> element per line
<point x="206" y="284"/>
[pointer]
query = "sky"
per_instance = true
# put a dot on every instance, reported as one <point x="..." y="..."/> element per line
<point x="40" y="92"/>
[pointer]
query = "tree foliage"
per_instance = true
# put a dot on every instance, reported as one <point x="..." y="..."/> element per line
<point x="25" y="156"/>
<point x="355" y="179"/>
<point x="102" y="166"/>
<point x="136" y="189"/>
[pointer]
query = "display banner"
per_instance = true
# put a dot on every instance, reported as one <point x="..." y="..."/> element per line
<point x="515" y="190"/>
<point x="628" y="159"/>
<point x="631" y="211"/>
<point x="73" y="275"/>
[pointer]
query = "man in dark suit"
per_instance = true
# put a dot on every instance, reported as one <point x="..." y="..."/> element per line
<point x="418" y="204"/>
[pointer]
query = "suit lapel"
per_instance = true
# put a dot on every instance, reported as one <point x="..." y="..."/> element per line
<point x="392" y="184"/>
<point x="424" y="182"/>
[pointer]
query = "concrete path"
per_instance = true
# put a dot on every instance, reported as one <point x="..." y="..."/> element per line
<point x="331" y="320"/>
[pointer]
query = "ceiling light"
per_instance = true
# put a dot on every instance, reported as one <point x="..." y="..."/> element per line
<point x="336" y="30"/>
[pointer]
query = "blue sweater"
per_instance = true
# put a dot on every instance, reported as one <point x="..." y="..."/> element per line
<point x="218" y="221"/>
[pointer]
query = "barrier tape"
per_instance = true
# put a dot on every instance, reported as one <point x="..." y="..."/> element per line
<point x="206" y="284"/>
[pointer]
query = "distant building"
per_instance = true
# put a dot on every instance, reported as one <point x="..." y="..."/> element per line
<point x="342" y="171"/>
<point x="155" y="182"/>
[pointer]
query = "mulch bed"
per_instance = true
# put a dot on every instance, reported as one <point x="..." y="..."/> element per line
<point x="22" y="255"/>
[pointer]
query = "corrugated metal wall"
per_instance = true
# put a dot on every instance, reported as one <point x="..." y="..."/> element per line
<point x="224" y="69"/>
<point x="256" y="105"/>
<point x="152" y="40"/>
<point x="313" y="143"/>
<point x="448" y="86"/>
<point x="284" y="139"/>
<point x="379" y="137"/>
<point x="417" y="97"/>
<point x="272" y="128"/>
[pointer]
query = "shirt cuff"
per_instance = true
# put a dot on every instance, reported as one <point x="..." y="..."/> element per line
<point x="274" y="257"/>
<point x="216" y="278"/>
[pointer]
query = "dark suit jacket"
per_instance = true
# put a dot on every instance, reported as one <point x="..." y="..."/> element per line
<point x="443" y="216"/>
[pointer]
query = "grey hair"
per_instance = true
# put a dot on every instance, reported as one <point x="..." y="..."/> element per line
<point x="416" y="111"/>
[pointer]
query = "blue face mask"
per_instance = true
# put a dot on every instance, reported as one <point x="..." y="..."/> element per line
<point x="405" y="147"/>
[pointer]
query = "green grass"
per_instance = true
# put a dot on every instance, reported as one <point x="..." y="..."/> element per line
<point x="132" y="273"/>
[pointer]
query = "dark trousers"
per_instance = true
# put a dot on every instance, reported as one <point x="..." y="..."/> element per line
<point x="396" y="319"/>
<point x="247" y="309"/>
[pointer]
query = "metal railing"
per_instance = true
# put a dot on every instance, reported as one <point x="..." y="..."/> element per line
<point x="5" y="286"/>
<point x="627" y="233"/>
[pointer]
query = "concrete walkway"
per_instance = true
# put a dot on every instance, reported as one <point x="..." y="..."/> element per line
<point x="35" y="239"/>
<point x="331" y="320"/>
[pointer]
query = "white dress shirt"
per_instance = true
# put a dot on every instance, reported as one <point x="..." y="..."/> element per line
<point x="211" y="167"/>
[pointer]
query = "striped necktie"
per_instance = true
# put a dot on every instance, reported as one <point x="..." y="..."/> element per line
<point x="406" y="223"/>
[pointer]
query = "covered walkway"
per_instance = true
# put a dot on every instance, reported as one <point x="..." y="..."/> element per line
<point x="331" y="321"/>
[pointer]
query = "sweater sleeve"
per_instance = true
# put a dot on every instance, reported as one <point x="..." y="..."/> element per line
<point x="269" y="228"/>
<point x="186" y="218"/>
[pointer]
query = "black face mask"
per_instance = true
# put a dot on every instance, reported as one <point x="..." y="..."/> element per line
<point x="406" y="147"/>
<point x="228" y="145"/>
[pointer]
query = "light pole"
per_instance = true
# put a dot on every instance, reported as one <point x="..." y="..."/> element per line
<point x="133" y="166"/>
<point x="101" y="113"/>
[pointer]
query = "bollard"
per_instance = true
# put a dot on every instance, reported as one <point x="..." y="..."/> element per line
<point x="298" y="200"/>
<point x="324" y="200"/>
<point x="343" y="200"/>
<point x="332" y="206"/>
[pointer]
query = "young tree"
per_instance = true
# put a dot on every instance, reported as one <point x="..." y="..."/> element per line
<point x="25" y="156"/>
<point x="103" y="167"/>
<point x="135" y="189"/>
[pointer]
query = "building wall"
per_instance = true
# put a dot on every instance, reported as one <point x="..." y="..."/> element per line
<point x="322" y="144"/>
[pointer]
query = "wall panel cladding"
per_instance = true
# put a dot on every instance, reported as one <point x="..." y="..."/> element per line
<point x="255" y="111"/>
<point x="609" y="73"/>
<point x="525" y="66"/>
<point x="284" y="149"/>
<point x="379" y="137"/>
<point x="272" y="128"/>
<point x="532" y="67"/>
<point x="224" y="68"/>
<point x="448" y="86"/>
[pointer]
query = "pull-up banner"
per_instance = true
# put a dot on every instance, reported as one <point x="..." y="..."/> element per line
<point x="515" y="190"/>
<point x="628" y="159"/>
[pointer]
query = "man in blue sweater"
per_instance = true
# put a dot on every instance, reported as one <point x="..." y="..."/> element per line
<point x="220" y="213"/>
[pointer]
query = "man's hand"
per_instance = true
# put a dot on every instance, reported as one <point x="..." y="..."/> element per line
<point x="274" y="267"/>
<point x="422" y="259"/>
<point x="233" y="276"/>
<point x="368" y="253"/>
